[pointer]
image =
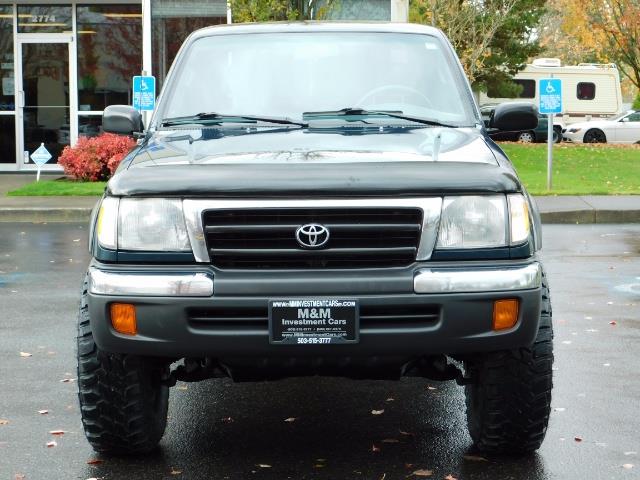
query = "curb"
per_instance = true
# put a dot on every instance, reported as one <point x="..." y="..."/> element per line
<point x="83" y="214"/>
<point x="43" y="215"/>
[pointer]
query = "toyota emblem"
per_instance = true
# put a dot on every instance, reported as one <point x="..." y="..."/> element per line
<point x="312" y="235"/>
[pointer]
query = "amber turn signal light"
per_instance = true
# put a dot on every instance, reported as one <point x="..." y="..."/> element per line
<point x="505" y="314"/>
<point x="123" y="318"/>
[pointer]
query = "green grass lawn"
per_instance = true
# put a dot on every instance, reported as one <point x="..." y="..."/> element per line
<point x="62" y="187"/>
<point x="578" y="169"/>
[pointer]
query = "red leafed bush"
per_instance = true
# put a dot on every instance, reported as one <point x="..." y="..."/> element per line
<point x="95" y="158"/>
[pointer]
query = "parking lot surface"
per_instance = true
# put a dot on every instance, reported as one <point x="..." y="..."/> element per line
<point x="321" y="428"/>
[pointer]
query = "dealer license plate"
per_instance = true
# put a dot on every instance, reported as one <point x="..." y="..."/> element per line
<point x="313" y="321"/>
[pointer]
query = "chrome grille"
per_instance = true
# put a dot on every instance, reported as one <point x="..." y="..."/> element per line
<point x="360" y="237"/>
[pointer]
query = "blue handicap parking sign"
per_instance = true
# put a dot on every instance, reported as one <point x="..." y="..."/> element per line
<point x="550" y="96"/>
<point x="144" y="93"/>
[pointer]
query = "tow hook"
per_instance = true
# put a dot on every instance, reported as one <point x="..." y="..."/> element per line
<point x="194" y="370"/>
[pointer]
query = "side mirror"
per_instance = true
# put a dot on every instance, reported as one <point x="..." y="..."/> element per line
<point x="515" y="116"/>
<point x="122" y="120"/>
<point x="625" y="119"/>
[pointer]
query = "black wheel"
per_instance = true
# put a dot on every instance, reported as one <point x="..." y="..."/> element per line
<point x="557" y="135"/>
<point x="509" y="401"/>
<point x="123" y="401"/>
<point x="595" y="136"/>
<point x="526" y="137"/>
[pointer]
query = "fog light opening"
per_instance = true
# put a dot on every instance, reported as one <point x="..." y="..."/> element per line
<point x="123" y="318"/>
<point x="505" y="313"/>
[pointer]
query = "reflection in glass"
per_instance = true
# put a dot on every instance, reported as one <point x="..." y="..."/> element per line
<point x="7" y="82"/>
<point x="8" y="139"/>
<point x="48" y="125"/>
<point x="173" y="21"/>
<point x="44" y="18"/>
<point x="109" y="54"/>
<point x="89" y="125"/>
<point x="45" y="70"/>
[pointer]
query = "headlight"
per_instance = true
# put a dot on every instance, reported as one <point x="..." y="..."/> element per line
<point x="484" y="221"/>
<point x="473" y="222"/>
<point x="150" y="224"/>
<point x="574" y="130"/>
<point x="153" y="224"/>
<point x="106" y="225"/>
<point x="519" y="218"/>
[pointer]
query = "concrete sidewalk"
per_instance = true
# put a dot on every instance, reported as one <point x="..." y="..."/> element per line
<point x="560" y="209"/>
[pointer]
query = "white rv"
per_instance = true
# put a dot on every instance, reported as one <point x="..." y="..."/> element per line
<point x="589" y="91"/>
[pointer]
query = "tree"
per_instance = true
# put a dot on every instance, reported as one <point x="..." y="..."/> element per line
<point x="636" y="102"/>
<point x="279" y="10"/>
<point x="493" y="38"/>
<point x="619" y="22"/>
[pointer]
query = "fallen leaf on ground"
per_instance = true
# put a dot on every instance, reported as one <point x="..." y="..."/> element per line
<point x="290" y="419"/>
<point x="43" y="412"/>
<point x="390" y="399"/>
<point x="19" y="476"/>
<point x="374" y="448"/>
<point x="52" y="444"/>
<point x="227" y="420"/>
<point x="377" y="412"/>
<point x="94" y="461"/>
<point x="429" y="387"/>
<point x="450" y="477"/>
<point x="408" y="434"/>
<point x="67" y="380"/>
<point x="390" y="440"/>
<point x="628" y="466"/>
<point x="175" y="472"/>
<point x="384" y="475"/>
<point x="613" y="322"/>
<point x="421" y="472"/>
<point x="3" y="421"/>
<point x="319" y="465"/>
<point x="25" y="354"/>
<point x="263" y="465"/>
<point x="475" y="458"/>
<point x="182" y="387"/>
<point x="56" y="432"/>
<point x="577" y="439"/>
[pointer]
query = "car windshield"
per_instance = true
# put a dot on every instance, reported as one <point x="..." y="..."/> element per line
<point x="287" y="74"/>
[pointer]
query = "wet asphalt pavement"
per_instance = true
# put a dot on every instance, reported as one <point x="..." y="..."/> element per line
<point x="220" y="430"/>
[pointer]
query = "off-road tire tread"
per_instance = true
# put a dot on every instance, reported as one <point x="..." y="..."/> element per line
<point x="122" y="401"/>
<point x="509" y="401"/>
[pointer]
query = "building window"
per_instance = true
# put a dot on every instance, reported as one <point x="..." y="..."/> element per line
<point x="7" y="86"/>
<point x="586" y="91"/>
<point x="109" y="54"/>
<point x="44" y="19"/>
<point x="173" y="21"/>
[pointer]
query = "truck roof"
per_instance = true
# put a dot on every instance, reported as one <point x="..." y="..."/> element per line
<point x="312" y="26"/>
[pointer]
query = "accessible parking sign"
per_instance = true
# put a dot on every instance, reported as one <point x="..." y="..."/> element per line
<point x="144" y="93"/>
<point x="550" y="96"/>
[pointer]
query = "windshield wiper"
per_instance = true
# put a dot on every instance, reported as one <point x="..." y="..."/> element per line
<point x="213" y="117"/>
<point x="359" y="112"/>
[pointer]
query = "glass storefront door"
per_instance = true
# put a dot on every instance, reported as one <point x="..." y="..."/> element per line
<point x="43" y="88"/>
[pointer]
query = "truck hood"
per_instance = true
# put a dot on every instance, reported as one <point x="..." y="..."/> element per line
<point x="277" y="162"/>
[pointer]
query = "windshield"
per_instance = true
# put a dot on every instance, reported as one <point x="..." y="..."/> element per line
<point x="287" y="74"/>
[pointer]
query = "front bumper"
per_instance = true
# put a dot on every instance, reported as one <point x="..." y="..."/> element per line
<point x="575" y="137"/>
<point x="405" y="313"/>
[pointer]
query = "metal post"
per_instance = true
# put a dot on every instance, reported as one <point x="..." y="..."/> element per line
<point x="549" y="151"/>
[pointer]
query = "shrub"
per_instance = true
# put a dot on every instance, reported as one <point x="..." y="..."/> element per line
<point x="95" y="158"/>
<point x="636" y="102"/>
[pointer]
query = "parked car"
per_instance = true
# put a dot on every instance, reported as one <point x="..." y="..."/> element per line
<point x="346" y="216"/>
<point x="624" y="128"/>
<point x="538" y="134"/>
